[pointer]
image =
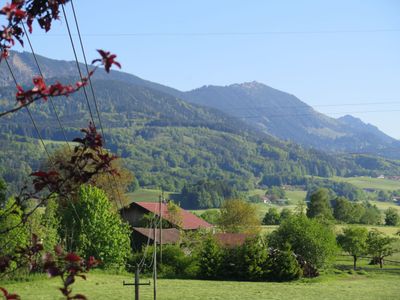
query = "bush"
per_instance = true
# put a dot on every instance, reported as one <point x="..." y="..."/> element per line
<point x="210" y="259"/>
<point x="271" y="217"/>
<point x="283" y="265"/>
<point x="309" y="238"/>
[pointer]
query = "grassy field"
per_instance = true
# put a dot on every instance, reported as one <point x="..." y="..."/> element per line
<point x="374" y="183"/>
<point x="368" y="285"/>
<point x="146" y="195"/>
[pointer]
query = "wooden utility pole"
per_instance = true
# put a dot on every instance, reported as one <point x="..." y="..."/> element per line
<point x="136" y="283"/>
<point x="155" y="261"/>
<point x="161" y="200"/>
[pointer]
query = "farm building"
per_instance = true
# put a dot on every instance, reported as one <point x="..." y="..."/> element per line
<point x="143" y="236"/>
<point x="181" y="219"/>
<point x="232" y="239"/>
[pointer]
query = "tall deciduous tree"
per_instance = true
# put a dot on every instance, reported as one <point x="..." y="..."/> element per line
<point x="392" y="217"/>
<point x="319" y="205"/>
<point x="93" y="228"/>
<point x="379" y="245"/>
<point x="239" y="216"/>
<point x="311" y="239"/>
<point x="353" y="240"/>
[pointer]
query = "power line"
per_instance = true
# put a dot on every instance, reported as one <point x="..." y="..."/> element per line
<point x="87" y="70"/>
<point x="95" y="102"/>
<point x="235" y="33"/>
<point x="28" y="111"/>
<point x="77" y="63"/>
<point x="50" y="98"/>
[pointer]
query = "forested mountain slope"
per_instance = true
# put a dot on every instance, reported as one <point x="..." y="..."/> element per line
<point x="166" y="141"/>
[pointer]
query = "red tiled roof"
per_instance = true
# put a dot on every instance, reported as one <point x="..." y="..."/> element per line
<point x="169" y="235"/>
<point x="189" y="220"/>
<point x="232" y="239"/>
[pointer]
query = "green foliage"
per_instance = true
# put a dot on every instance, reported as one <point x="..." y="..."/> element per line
<point x="283" y="266"/>
<point x="51" y="223"/>
<point x="211" y="216"/>
<point x="319" y="206"/>
<point x="371" y="215"/>
<point x="353" y="240"/>
<point x="392" y="217"/>
<point x="175" y="263"/>
<point x="380" y="245"/>
<point x="348" y="212"/>
<point x="3" y="192"/>
<point x="92" y="228"/>
<point x="239" y="216"/>
<point x="206" y="194"/>
<point x="253" y="259"/>
<point x="271" y="217"/>
<point x="275" y="192"/>
<point x="17" y="237"/>
<point x="285" y="214"/>
<point x="314" y="241"/>
<point x="210" y="259"/>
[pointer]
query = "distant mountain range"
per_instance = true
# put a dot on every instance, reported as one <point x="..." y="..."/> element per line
<point x="287" y="117"/>
<point x="243" y="133"/>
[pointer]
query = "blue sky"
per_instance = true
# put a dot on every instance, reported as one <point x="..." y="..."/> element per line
<point x="338" y="56"/>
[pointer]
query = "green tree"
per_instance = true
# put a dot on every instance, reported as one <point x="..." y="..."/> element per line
<point x="392" y="217"/>
<point x="239" y="216"/>
<point x="253" y="259"/>
<point x="311" y="239"/>
<point x="379" y="245"/>
<point x="371" y="215"/>
<point x="17" y="237"/>
<point x="283" y="265"/>
<point x="271" y="217"/>
<point x="210" y="259"/>
<point x="285" y="214"/>
<point x="93" y="228"/>
<point x="353" y="240"/>
<point x="211" y="216"/>
<point x="51" y="222"/>
<point x="343" y="210"/>
<point x="3" y="192"/>
<point x="319" y="205"/>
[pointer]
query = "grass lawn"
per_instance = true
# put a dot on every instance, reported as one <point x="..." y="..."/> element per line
<point x="362" y="285"/>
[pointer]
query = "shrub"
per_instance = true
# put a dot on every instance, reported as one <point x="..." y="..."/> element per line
<point x="271" y="217"/>
<point x="210" y="259"/>
<point x="309" y="238"/>
<point x="283" y="265"/>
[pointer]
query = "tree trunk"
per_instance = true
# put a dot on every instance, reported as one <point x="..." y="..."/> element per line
<point x="381" y="262"/>
<point x="355" y="262"/>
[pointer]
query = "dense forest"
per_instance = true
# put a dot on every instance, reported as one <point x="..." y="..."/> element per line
<point x="167" y="142"/>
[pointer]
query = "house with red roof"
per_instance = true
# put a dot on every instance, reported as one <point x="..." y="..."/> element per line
<point x="180" y="219"/>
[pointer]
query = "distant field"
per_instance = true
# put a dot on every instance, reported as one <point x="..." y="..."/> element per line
<point x="296" y="196"/>
<point x="385" y="205"/>
<point x="369" y="285"/>
<point x="146" y="195"/>
<point x="374" y="183"/>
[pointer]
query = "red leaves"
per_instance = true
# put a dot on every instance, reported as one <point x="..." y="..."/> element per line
<point x="50" y="180"/>
<point x="67" y="266"/>
<point x="13" y="11"/>
<point x="27" y="11"/>
<point x="72" y="257"/>
<point x="9" y="296"/>
<point x="107" y="60"/>
<point x="41" y="91"/>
